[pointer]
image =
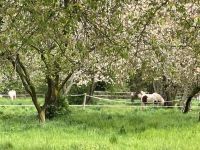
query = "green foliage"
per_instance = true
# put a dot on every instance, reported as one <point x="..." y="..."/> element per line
<point x="63" y="106"/>
<point x="60" y="108"/>
<point x="116" y="87"/>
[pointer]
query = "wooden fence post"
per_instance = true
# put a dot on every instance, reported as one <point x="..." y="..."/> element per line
<point x="84" y="100"/>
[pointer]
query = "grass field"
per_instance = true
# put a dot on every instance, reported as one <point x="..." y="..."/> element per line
<point x="100" y="129"/>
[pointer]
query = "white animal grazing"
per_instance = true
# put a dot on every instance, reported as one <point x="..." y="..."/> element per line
<point x="12" y="94"/>
<point x="154" y="98"/>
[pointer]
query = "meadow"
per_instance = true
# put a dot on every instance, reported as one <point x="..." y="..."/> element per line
<point x="100" y="129"/>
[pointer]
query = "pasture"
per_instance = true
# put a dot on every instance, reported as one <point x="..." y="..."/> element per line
<point x="100" y="129"/>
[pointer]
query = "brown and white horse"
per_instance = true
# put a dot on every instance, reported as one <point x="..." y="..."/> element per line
<point x="154" y="98"/>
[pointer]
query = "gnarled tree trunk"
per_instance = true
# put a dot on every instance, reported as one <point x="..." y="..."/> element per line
<point x="91" y="90"/>
<point x="51" y="97"/>
<point x="41" y="116"/>
<point x="189" y="99"/>
<point x="27" y="83"/>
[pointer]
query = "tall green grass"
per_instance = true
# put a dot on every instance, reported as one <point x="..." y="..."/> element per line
<point x="19" y="101"/>
<point x="100" y="129"/>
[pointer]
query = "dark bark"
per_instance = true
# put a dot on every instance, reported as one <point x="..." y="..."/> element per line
<point x="66" y="3"/>
<point x="134" y="96"/>
<point x="91" y="90"/>
<point x="51" y="97"/>
<point x="167" y="89"/>
<point x="199" y="116"/>
<point x="136" y="84"/>
<point x="189" y="99"/>
<point x="150" y="88"/>
<point x="67" y="78"/>
<point x="165" y="92"/>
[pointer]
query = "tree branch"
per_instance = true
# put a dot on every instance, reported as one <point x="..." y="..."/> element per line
<point x="148" y="21"/>
<point x="49" y="91"/>
<point x="24" y="76"/>
<point x="65" y="81"/>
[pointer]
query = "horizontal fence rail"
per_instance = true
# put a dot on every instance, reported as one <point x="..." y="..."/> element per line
<point x="85" y="96"/>
<point x="114" y="95"/>
<point x="107" y="92"/>
<point x="101" y="94"/>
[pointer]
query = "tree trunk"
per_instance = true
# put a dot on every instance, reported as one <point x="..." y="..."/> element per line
<point x="52" y="95"/>
<point x="199" y="116"/>
<point x="91" y="90"/>
<point x="187" y="104"/>
<point x="189" y="99"/>
<point x="167" y="89"/>
<point x="134" y="95"/>
<point x="150" y="87"/>
<point x="51" y="105"/>
<point x="68" y="85"/>
<point x="27" y="83"/>
<point x="51" y="98"/>
<point x="136" y="84"/>
<point x="41" y="116"/>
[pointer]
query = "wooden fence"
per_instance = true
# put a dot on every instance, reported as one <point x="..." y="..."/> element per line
<point x="113" y="95"/>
